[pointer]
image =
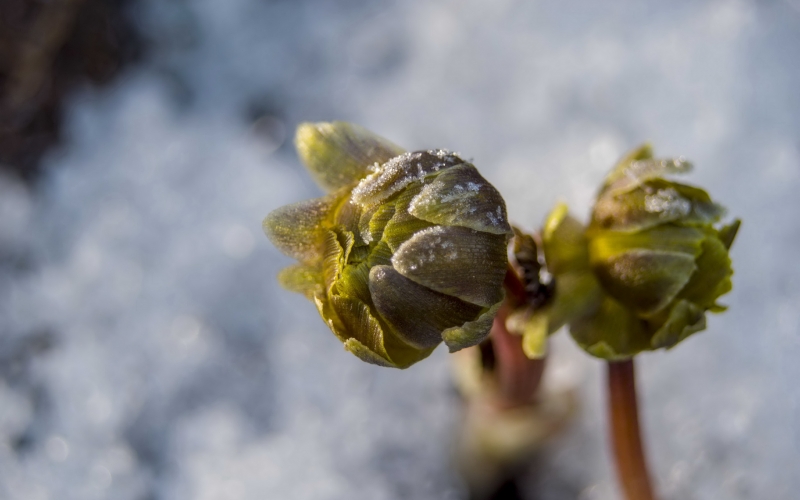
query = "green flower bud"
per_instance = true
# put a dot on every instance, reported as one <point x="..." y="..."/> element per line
<point x="650" y="264"/>
<point x="405" y="251"/>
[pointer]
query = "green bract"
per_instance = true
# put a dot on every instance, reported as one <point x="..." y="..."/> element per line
<point x="405" y="251"/>
<point x="644" y="272"/>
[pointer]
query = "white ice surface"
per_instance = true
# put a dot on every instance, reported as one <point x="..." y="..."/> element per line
<point x="146" y="351"/>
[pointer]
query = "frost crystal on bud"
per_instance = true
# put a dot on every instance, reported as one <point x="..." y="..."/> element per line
<point x="407" y="249"/>
<point x="649" y="265"/>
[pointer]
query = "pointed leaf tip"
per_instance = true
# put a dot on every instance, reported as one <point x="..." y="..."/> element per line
<point x="339" y="154"/>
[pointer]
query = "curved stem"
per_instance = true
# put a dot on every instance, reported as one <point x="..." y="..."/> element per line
<point x="625" y="433"/>
<point x="517" y="376"/>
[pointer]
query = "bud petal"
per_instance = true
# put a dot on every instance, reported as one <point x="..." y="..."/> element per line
<point x="416" y="313"/>
<point x="713" y="276"/>
<point x="565" y="244"/>
<point x="534" y="326"/>
<point x="684" y="319"/>
<point x="339" y="154"/>
<point x="358" y="323"/>
<point x="399" y="172"/>
<point x="646" y="270"/>
<point x="472" y="332"/>
<point x="658" y="202"/>
<point x="403" y="225"/>
<point x="392" y="258"/>
<point x="296" y="230"/>
<point x="639" y="166"/>
<point x="613" y="332"/>
<point x="649" y="266"/>
<point x="456" y="261"/>
<point x="301" y="279"/>
<point x="459" y="196"/>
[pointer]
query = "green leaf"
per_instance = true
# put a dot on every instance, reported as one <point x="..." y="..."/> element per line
<point x="459" y="196"/>
<point x="339" y="154"/>
<point x="577" y="294"/>
<point x="713" y="276"/>
<point x="645" y="280"/>
<point x="416" y="314"/>
<point x="613" y="333"/>
<point x="471" y="333"/>
<point x="564" y="242"/>
<point x="456" y="261"/>
<point x="684" y="319"/>
<point x="297" y="229"/>
<point x="645" y="271"/>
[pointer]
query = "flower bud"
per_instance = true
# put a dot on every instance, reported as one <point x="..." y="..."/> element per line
<point x="649" y="265"/>
<point x="405" y="251"/>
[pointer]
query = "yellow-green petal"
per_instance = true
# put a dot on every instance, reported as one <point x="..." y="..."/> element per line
<point x="347" y="216"/>
<point x="301" y="278"/>
<point x="297" y="229"/>
<point x="332" y="259"/>
<point x="359" y="323"/>
<point x="564" y="242"/>
<point x="339" y="154"/>
<point x="354" y="282"/>
<point x="667" y="238"/>
<point x="534" y="335"/>
<point x="374" y="220"/>
<point x="365" y="354"/>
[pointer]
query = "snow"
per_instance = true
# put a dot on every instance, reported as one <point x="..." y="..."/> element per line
<point x="147" y="352"/>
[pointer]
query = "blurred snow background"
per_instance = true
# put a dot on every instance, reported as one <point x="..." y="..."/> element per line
<point x="146" y="352"/>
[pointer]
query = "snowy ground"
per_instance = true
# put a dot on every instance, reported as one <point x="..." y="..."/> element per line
<point x="146" y="351"/>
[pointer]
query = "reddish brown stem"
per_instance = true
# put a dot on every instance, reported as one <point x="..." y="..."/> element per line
<point x="626" y="438"/>
<point x="517" y="376"/>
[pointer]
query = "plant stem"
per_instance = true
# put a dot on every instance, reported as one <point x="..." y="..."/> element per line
<point x="517" y="376"/>
<point x="626" y="438"/>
